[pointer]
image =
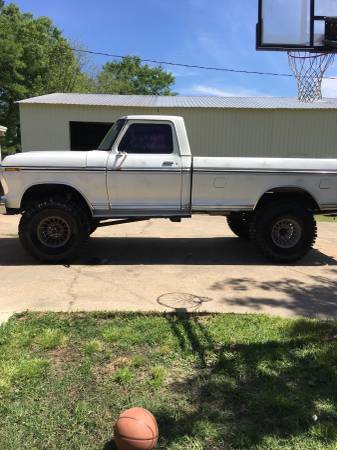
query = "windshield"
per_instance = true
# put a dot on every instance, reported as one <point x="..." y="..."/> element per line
<point x="111" y="135"/>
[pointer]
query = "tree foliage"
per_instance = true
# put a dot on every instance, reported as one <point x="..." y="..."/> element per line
<point x="35" y="59"/>
<point x="130" y="76"/>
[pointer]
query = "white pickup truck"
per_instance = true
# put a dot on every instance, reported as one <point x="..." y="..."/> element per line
<point x="144" y="169"/>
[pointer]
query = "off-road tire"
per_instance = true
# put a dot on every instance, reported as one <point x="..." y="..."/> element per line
<point x="76" y="220"/>
<point x="93" y="226"/>
<point x="239" y="223"/>
<point x="271" y="216"/>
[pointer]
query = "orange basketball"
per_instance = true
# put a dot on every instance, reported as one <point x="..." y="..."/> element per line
<point x="136" y="429"/>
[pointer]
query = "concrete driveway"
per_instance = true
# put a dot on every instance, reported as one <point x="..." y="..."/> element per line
<point x="195" y="265"/>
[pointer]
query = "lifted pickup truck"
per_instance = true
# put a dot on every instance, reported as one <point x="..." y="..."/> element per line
<point x="144" y="169"/>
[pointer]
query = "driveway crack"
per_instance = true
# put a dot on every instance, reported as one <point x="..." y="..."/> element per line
<point x="71" y="288"/>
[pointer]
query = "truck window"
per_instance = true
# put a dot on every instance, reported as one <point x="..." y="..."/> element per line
<point x="111" y="135"/>
<point x="147" y="138"/>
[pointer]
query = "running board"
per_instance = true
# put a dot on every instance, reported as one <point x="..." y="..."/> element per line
<point x="130" y="220"/>
<point x="120" y="222"/>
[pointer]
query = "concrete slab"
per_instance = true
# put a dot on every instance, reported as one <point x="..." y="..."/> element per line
<point x="195" y="265"/>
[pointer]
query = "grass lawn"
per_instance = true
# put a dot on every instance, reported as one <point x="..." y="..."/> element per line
<point x="213" y="381"/>
<point x="321" y="218"/>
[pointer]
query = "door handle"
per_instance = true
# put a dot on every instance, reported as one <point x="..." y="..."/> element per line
<point x="167" y="163"/>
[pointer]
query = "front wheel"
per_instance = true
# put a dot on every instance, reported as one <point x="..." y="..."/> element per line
<point x="284" y="231"/>
<point x="52" y="230"/>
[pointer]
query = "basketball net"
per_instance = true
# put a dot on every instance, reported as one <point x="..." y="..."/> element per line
<point x="309" y="69"/>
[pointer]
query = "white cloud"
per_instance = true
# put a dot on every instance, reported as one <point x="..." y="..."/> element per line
<point x="183" y="73"/>
<point x="329" y="88"/>
<point x="239" y="92"/>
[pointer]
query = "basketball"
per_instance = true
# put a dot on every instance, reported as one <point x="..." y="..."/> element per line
<point x="136" y="429"/>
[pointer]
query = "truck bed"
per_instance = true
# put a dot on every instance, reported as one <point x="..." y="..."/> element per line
<point x="226" y="184"/>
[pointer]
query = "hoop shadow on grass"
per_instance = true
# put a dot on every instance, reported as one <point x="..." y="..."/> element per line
<point x="181" y="303"/>
<point x="164" y="251"/>
<point x="242" y="394"/>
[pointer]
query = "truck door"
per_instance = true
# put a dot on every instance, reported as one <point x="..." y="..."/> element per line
<point x="144" y="173"/>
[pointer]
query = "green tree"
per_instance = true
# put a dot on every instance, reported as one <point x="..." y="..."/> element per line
<point x="35" y="59"/>
<point x="130" y="76"/>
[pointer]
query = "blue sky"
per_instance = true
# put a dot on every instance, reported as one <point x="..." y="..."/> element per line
<point x="213" y="33"/>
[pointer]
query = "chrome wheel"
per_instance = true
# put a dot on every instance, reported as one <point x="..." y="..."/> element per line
<point x="53" y="232"/>
<point x="286" y="233"/>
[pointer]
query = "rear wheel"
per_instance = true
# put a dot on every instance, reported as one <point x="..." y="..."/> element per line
<point x="239" y="223"/>
<point x="284" y="231"/>
<point x="52" y="230"/>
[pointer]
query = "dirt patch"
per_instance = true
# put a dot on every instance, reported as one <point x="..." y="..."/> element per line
<point x="62" y="356"/>
<point x="112" y="366"/>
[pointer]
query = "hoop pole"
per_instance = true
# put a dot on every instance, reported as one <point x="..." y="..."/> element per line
<point x="312" y="21"/>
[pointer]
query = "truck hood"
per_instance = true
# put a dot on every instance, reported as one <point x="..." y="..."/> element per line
<point x="46" y="159"/>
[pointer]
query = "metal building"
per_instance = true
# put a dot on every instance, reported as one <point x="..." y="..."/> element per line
<point x="216" y="126"/>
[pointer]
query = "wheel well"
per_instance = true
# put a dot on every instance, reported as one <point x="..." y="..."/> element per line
<point x="289" y="193"/>
<point x="40" y="191"/>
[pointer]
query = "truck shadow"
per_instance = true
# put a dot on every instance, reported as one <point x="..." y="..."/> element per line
<point x="161" y="251"/>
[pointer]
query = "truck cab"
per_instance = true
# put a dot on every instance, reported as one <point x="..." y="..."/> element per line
<point x="148" y="166"/>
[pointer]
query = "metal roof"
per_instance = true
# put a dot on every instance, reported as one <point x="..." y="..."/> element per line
<point x="179" y="101"/>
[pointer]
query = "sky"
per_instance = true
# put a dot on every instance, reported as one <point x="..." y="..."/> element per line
<point x="217" y="33"/>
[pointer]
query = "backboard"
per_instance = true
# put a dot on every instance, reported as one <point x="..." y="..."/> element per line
<point x="308" y="25"/>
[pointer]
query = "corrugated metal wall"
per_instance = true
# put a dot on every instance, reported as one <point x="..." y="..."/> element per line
<point x="213" y="132"/>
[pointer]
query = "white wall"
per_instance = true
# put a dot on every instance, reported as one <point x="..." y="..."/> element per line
<point x="217" y="132"/>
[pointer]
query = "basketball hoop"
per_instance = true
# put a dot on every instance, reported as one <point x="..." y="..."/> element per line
<point x="309" y="69"/>
<point x="307" y="30"/>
